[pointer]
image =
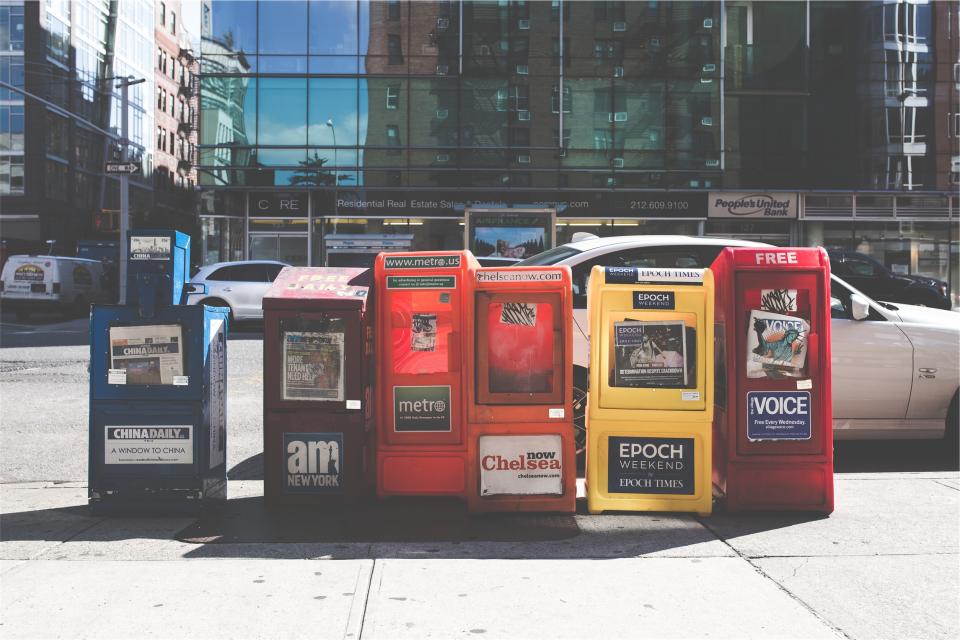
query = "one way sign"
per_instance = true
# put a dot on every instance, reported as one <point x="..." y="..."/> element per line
<point x="121" y="167"/>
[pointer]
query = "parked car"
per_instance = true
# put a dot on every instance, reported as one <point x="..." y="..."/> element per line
<point x="59" y="284"/>
<point x="880" y="283"/>
<point x="896" y="373"/>
<point x="237" y="285"/>
<point x="498" y="261"/>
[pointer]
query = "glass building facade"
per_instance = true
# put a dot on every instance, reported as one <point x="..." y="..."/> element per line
<point x="325" y="121"/>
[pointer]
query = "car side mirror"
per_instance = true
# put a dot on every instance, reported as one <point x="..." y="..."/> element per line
<point x="859" y="307"/>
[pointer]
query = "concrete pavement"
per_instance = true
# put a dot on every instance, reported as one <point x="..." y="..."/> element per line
<point x="884" y="565"/>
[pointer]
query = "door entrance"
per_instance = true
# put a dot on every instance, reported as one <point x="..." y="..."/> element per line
<point x="286" y="247"/>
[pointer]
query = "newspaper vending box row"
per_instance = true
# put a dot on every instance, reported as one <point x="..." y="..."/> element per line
<point x="456" y="382"/>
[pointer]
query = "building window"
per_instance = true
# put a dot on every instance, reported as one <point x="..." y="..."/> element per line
<point x="556" y="101"/>
<point x="172" y="143"/>
<point x="163" y="14"/>
<point x="393" y="136"/>
<point x="11" y="30"/>
<point x="519" y="97"/>
<point x="160" y="58"/>
<point x="393" y="9"/>
<point x="161" y="139"/>
<point x="11" y="175"/>
<point x="394" y="49"/>
<point x="393" y="96"/>
<point x="173" y="23"/>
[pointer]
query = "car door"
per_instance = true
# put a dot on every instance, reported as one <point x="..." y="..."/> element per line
<point x="249" y="287"/>
<point x="872" y="365"/>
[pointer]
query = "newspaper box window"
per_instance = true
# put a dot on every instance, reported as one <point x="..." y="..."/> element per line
<point x="147" y="354"/>
<point x="313" y="359"/>
<point x="318" y="386"/>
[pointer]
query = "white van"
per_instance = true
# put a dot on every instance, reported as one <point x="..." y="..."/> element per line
<point x="50" y="283"/>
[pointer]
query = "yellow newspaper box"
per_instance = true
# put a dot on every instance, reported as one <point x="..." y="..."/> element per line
<point x="650" y="409"/>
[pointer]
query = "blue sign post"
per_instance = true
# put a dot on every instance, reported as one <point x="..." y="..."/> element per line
<point x="157" y="389"/>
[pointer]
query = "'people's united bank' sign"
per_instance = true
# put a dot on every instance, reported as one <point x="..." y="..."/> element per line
<point x="770" y="206"/>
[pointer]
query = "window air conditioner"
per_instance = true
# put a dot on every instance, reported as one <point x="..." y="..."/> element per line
<point x="443" y="157"/>
<point x="523" y="25"/>
<point x="707" y="121"/>
<point x="523" y="69"/>
<point x="708" y="23"/>
<point x="618" y="163"/>
<point x="443" y="23"/>
<point x="619" y="26"/>
<point x="713" y="163"/>
<point x="442" y="114"/>
<point x="709" y="67"/>
<point x="618" y="72"/>
<point x="523" y="159"/>
<point x="620" y="116"/>
<point x="523" y="115"/>
<point x="442" y="69"/>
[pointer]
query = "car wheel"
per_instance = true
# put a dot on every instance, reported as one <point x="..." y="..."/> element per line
<point x="580" y="387"/>
<point x="218" y="302"/>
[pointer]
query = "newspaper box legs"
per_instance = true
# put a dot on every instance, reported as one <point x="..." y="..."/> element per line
<point x="650" y="405"/>
<point x="521" y="453"/>
<point x="157" y="390"/>
<point x="317" y="409"/>
<point x="773" y="420"/>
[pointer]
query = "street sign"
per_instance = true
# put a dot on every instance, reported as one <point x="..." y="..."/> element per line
<point x="121" y="167"/>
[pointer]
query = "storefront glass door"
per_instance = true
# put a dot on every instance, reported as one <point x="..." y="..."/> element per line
<point x="291" y="249"/>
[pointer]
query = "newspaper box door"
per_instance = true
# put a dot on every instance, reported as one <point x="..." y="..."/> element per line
<point x="778" y="316"/>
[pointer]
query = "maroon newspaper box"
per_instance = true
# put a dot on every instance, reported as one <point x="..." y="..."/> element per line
<point x="773" y="422"/>
<point x="317" y="386"/>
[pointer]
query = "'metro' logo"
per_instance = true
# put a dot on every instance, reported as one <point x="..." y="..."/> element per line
<point x="421" y="408"/>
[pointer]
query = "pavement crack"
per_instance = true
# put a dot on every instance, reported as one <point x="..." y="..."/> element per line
<point x="779" y="586"/>
<point x="366" y="597"/>
<point x="948" y="486"/>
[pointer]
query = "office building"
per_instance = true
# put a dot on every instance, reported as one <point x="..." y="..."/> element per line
<point x="331" y="125"/>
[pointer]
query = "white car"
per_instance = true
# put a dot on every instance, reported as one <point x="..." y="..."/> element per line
<point x="896" y="370"/>
<point x="237" y="285"/>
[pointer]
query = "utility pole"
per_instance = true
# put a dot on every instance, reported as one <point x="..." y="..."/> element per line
<point x="124" y="86"/>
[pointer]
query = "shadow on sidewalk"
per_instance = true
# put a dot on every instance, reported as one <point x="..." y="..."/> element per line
<point x="871" y="456"/>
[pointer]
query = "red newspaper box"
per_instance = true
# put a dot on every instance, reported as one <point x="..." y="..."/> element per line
<point x="773" y="422"/>
<point x="519" y="391"/>
<point x="317" y="386"/>
<point x="420" y="340"/>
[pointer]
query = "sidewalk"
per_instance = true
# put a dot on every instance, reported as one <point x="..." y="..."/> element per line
<point x="884" y="565"/>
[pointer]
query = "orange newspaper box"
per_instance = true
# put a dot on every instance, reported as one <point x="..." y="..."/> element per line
<point x="420" y="340"/>
<point x="519" y="391"/>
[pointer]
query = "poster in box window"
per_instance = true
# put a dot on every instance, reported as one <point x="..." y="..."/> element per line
<point x="216" y="393"/>
<point x="650" y="354"/>
<point x="776" y="345"/>
<point x="520" y="347"/>
<point x="150" y="354"/>
<point x="313" y="366"/>
<point x="149" y="248"/>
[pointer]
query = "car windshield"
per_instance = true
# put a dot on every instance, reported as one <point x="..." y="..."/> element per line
<point x="550" y="256"/>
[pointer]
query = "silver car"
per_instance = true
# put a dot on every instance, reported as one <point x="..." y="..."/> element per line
<point x="237" y="285"/>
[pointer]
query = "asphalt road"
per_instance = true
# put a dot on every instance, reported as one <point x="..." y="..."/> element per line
<point x="44" y="405"/>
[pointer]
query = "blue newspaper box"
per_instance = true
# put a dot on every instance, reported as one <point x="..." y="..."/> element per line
<point x="157" y="430"/>
<point x="158" y="267"/>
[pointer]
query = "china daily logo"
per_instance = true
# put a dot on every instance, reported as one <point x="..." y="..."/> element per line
<point x="421" y="408"/>
<point x="312" y="462"/>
